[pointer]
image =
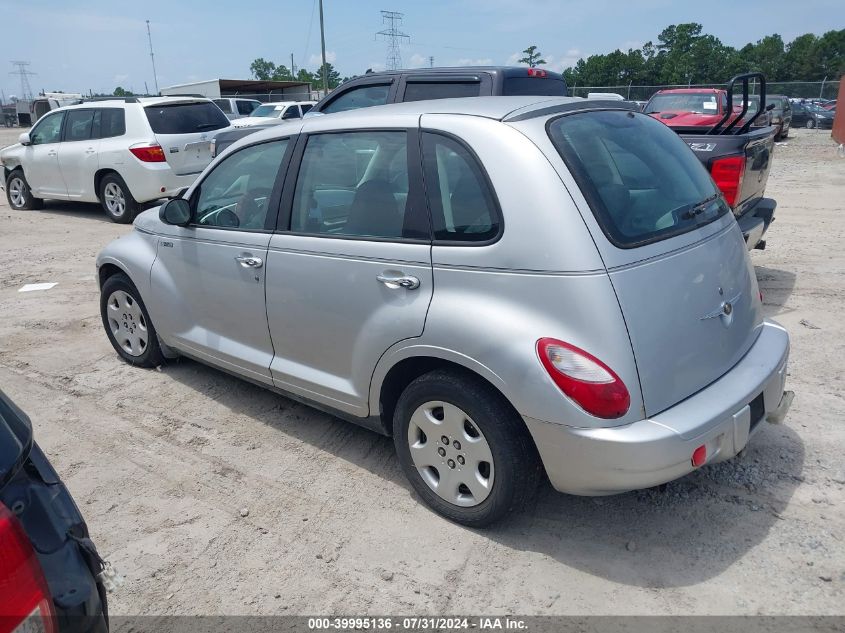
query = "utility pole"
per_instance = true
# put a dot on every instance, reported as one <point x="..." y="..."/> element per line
<point x="431" y="61"/>
<point x="152" y="56"/>
<point x="323" y="46"/>
<point x="292" y="67"/>
<point x="25" y="74"/>
<point x="394" y="38"/>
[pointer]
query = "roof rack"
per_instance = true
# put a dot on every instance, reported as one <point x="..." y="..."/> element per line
<point x="124" y="99"/>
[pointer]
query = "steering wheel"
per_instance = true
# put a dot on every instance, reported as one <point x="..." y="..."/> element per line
<point x="227" y="218"/>
<point x="251" y="212"/>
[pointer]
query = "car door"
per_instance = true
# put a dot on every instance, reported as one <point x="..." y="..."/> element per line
<point x="79" y="153"/>
<point x="208" y="279"/>
<point x="41" y="158"/>
<point x="350" y="272"/>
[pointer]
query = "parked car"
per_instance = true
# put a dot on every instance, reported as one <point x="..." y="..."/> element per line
<point x="236" y="107"/>
<point x="49" y="567"/>
<point x="379" y="264"/>
<point x="829" y="105"/>
<point x="120" y="153"/>
<point x="399" y="86"/>
<point x="274" y="113"/>
<point x="737" y="154"/>
<point x="781" y="114"/>
<point x="811" y="116"/>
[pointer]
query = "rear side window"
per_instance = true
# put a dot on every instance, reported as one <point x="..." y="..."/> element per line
<point x="463" y="208"/>
<point x="641" y="180"/>
<point x="185" y="118"/>
<point x="421" y="90"/>
<point x="78" y="125"/>
<point x="361" y="97"/>
<point x="306" y="106"/>
<point x="539" y="86"/>
<point x="108" y="123"/>
<point x="224" y="105"/>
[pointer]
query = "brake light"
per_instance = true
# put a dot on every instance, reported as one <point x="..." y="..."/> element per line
<point x="23" y="590"/>
<point x="148" y="153"/>
<point x="728" y="173"/>
<point x="584" y="378"/>
<point x="536" y="72"/>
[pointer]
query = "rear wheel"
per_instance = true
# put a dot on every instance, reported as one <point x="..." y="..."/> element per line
<point x="463" y="448"/>
<point x="19" y="194"/>
<point x="127" y="324"/>
<point x="117" y="200"/>
<point x="811" y="123"/>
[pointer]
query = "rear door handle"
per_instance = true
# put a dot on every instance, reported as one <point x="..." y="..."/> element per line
<point x="248" y="261"/>
<point x="399" y="281"/>
<point x="90" y="150"/>
<point x="52" y="152"/>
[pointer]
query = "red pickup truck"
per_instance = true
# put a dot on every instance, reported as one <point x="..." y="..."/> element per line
<point x="688" y="107"/>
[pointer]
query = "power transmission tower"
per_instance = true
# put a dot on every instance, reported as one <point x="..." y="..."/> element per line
<point x="26" y="89"/>
<point x="394" y="38"/>
<point x="152" y="57"/>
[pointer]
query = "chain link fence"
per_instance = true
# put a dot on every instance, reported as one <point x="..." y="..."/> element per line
<point x="794" y="89"/>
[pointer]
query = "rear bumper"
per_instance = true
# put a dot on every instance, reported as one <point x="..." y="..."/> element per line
<point x="722" y="417"/>
<point x="756" y="221"/>
<point x="152" y="181"/>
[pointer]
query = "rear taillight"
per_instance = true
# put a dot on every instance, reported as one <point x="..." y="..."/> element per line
<point x="728" y="173"/>
<point x="537" y="72"/>
<point x="23" y="591"/>
<point x="148" y="153"/>
<point x="584" y="378"/>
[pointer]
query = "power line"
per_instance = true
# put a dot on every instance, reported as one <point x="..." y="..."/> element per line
<point x="24" y="73"/>
<point x="394" y="38"/>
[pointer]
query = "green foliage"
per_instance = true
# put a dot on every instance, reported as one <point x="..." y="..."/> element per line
<point x="533" y="57"/>
<point x="332" y="75"/>
<point x="268" y="71"/>
<point x="120" y="92"/>
<point x="684" y="54"/>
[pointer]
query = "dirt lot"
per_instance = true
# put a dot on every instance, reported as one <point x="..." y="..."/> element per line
<point x="161" y="463"/>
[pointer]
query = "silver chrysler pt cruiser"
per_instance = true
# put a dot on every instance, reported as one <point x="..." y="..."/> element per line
<point x="509" y="286"/>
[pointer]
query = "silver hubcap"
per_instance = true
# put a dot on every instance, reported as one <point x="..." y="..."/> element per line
<point x="127" y="323"/>
<point x="115" y="202"/>
<point x="451" y="453"/>
<point x="17" y="192"/>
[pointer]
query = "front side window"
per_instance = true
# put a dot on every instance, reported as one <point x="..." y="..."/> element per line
<point x="185" y="118"/>
<point x="236" y="194"/>
<point x="356" y="184"/>
<point x="361" y="97"/>
<point x="463" y="208"/>
<point x="641" y="180"/>
<point x="78" y="126"/>
<point x="48" y="129"/>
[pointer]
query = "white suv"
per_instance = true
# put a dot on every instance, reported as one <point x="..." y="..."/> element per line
<point x="121" y="153"/>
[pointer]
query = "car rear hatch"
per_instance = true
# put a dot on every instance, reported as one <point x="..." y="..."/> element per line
<point x="183" y="129"/>
<point x="671" y="247"/>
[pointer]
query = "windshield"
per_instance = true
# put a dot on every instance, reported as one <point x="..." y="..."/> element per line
<point x="185" y="118"/>
<point x="812" y="107"/>
<point x="700" y="103"/>
<point x="266" y="111"/>
<point x="641" y="180"/>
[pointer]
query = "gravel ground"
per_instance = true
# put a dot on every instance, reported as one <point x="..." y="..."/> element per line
<point x="166" y="463"/>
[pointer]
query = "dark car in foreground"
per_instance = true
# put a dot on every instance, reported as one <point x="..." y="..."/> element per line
<point x="398" y="86"/>
<point x="781" y="114"/>
<point x="49" y="568"/>
<point x="810" y="115"/>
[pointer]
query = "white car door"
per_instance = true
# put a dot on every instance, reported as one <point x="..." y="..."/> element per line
<point x="79" y="154"/>
<point x="41" y="158"/>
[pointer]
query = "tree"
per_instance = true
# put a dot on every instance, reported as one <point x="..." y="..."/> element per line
<point x="120" y="92"/>
<point x="304" y="75"/>
<point x="533" y="57"/>
<point x="262" y="69"/>
<point x="332" y="75"/>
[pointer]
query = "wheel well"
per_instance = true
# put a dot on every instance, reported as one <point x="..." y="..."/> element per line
<point x="108" y="270"/>
<point x="98" y="178"/>
<point x="405" y="372"/>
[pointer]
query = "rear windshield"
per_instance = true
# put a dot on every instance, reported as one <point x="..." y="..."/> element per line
<point x="641" y="180"/>
<point x="703" y="103"/>
<point x="539" y="86"/>
<point x="185" y="118"/>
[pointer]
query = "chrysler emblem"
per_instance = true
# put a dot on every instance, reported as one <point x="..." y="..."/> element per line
<point x="725" y="310"/>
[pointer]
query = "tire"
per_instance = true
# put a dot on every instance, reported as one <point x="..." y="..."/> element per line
<point x="127" y="323"/>
<point x="117" y="200"/>
<point x="785" y="134"/>
<point x="810" y="124"/>
<point x="477" y="424"/>
<point x="18" y="193"/>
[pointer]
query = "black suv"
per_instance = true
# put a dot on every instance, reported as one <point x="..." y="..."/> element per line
<point x="397" y="86"/>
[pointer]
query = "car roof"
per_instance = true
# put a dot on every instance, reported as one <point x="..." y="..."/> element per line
<point x="689" y="91"/>
<point x="451" y="70"/>
<point x="144" y="101"/>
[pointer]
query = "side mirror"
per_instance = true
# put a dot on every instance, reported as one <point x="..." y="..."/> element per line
<point x="176" y="212"/>
<point x="24" y="139"/>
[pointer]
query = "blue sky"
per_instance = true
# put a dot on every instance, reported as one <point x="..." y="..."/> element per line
<point x="98" y="44"/>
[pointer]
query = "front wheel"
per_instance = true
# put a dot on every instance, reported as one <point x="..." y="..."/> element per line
<point x="19" y="194"/>
<point x="464" y="449"/>
<point x="127" y="323"/>
<point x="117" y="200"/>
<point x="811" y="123"/>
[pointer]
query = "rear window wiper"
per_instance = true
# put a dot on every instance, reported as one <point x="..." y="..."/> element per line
<point x="699" y="208"/>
